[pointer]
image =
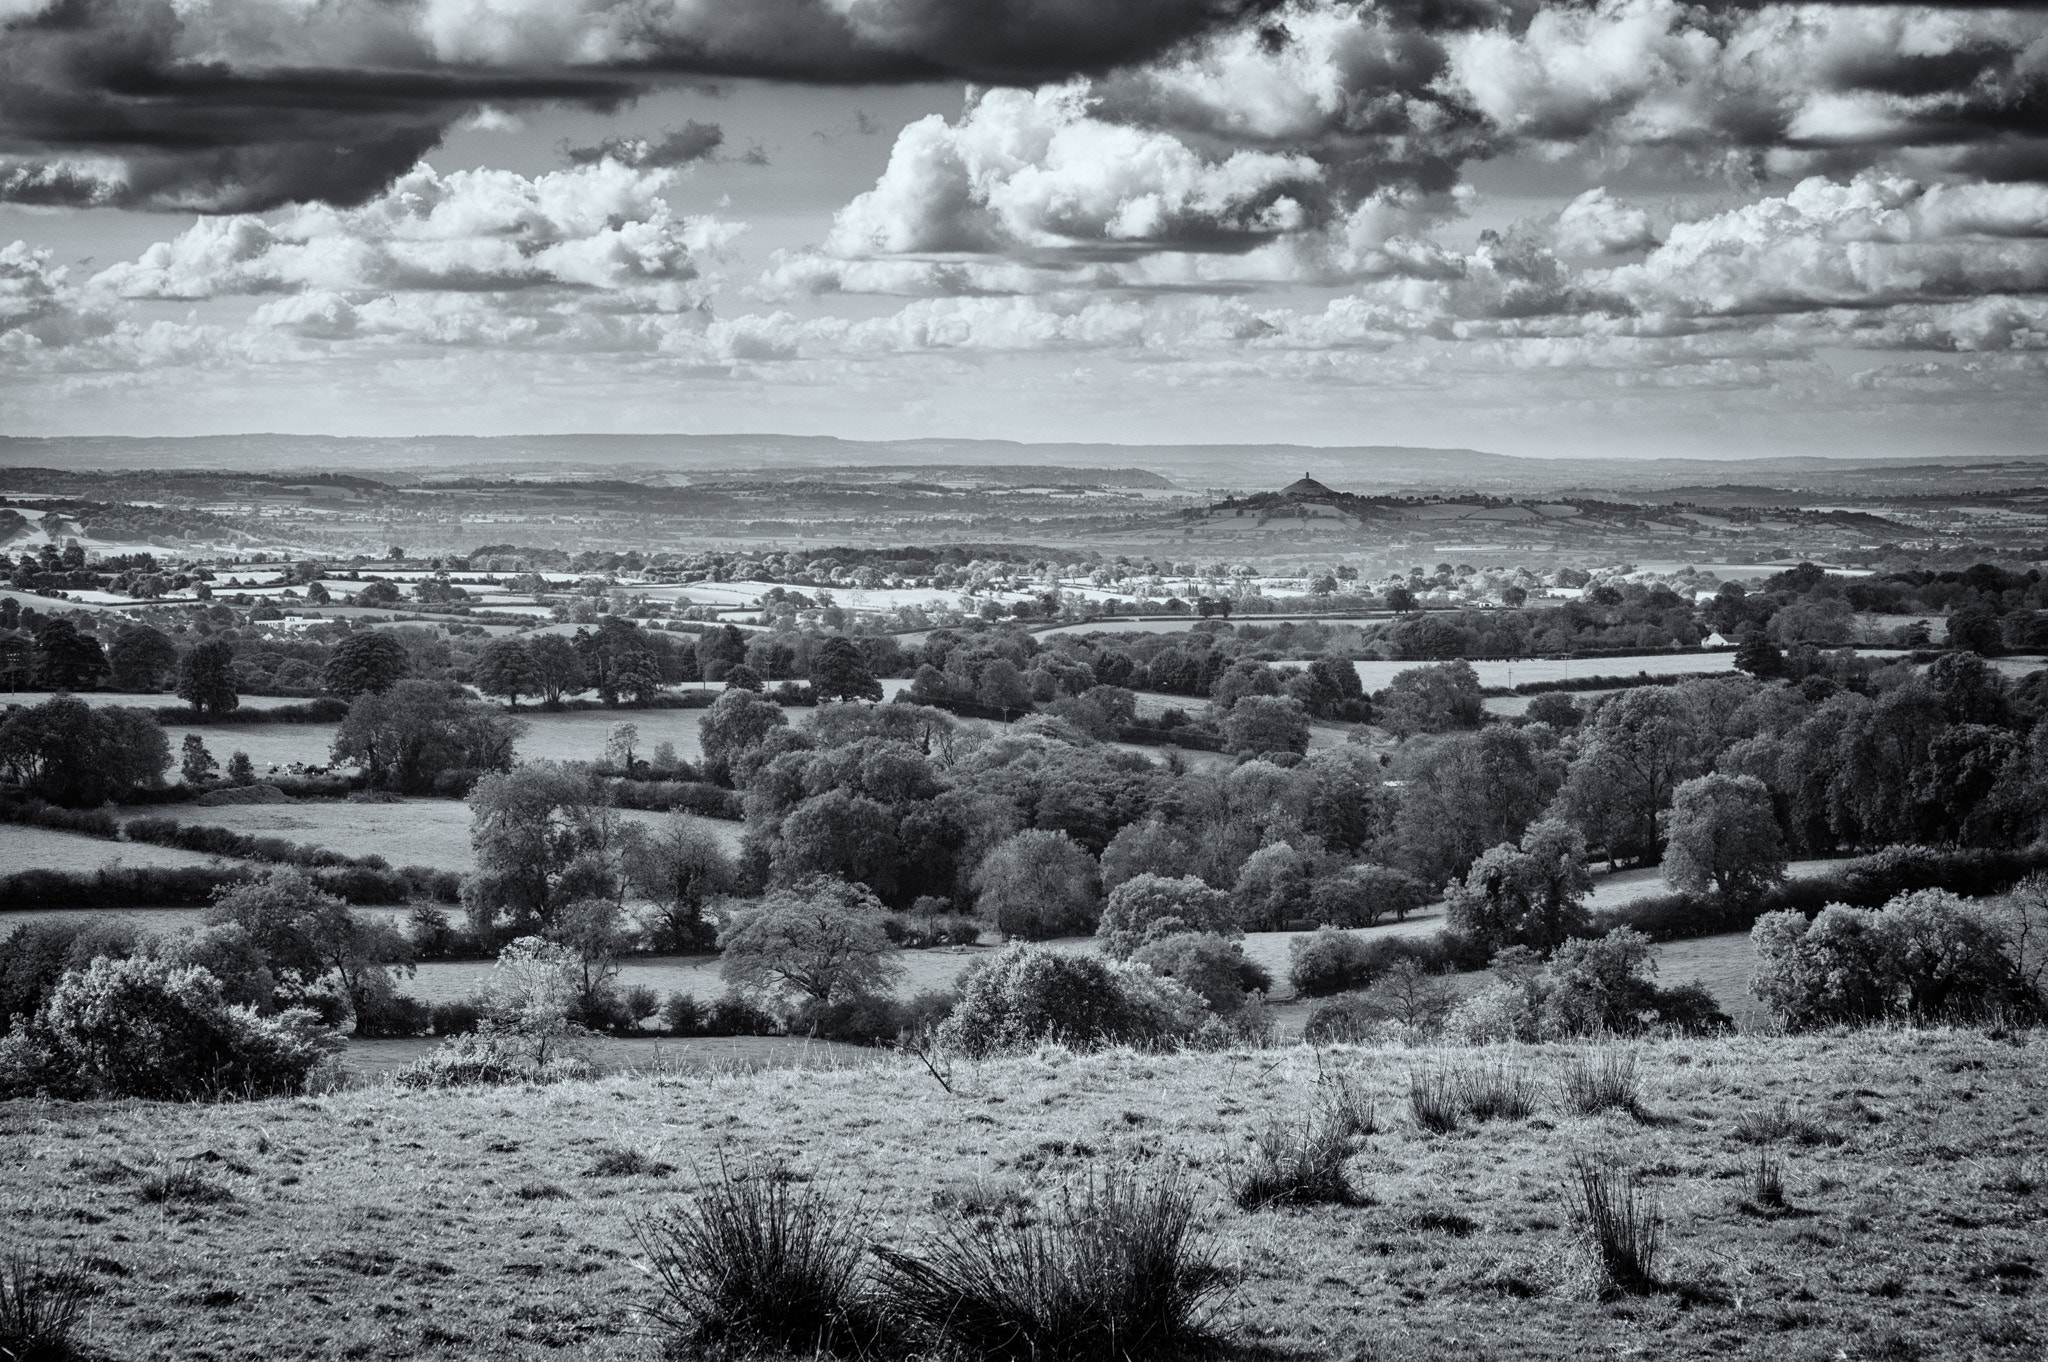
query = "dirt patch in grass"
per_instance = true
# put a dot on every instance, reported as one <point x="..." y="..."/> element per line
<point x="461" y="1224"/>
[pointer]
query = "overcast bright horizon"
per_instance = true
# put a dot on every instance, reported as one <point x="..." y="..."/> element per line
<point x="1625" y="228"/>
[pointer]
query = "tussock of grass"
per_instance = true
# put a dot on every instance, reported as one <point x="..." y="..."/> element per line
<point x="182" y="1185"/>
<point x="1620" y="1224"/>
<point x="1442" y="1099"/>
<point x="1606" y="1081"/>
<point x="1296" y="1164"/>
<point x="1346" y="1104"/>
<point x="624" y="1161"/>
<point x="1767" y="1184"/>
<point x="754" y="1258"/>
<point x="41" y="1308"/>
<point x="1782" y="1123"/>
<point x="1115" y="1270"/>
<point x="1433" y="1101"/>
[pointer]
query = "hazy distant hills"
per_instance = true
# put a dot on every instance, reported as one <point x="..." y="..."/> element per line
<point x="1376" y="468"/>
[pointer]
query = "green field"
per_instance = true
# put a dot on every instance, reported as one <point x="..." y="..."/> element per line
<point x="469" y="1224"/>
<point x="25" y="848"/>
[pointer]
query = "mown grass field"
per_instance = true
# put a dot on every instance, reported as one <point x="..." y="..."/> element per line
<point x="472" y="1224"/>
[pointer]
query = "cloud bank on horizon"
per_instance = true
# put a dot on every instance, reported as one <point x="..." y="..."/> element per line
<point x="1543" y="224"/>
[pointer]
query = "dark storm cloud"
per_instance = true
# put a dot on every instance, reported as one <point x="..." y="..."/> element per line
<point x="235" y="105"/>
<point x="693" y="141"/>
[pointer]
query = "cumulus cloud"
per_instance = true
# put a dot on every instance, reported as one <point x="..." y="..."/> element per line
<point x="599" y="237"/>
<point x="1596" y="224"/>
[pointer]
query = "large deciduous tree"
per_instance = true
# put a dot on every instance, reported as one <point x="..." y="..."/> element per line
<point x="206" y="678"/>
<point x="839" y="672"/>
<point x="544" y="837"/>
<point x="820" y="939"/>
<point x="1723" y="835"/>
<point x="1037" y="884"/>
<point x="369" y="662"/>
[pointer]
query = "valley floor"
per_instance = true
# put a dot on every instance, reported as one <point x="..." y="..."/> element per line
<point x="475" y="1224"/>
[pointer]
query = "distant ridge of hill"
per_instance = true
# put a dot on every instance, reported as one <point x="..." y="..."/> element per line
<point x="1358" y="468"/>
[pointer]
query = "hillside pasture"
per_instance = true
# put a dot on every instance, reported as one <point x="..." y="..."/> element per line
<point x="268" y="745"/>
<point x="482" y="1223"/>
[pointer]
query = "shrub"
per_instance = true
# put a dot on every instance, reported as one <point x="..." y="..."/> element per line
<point x="142" y="1028"/>
<point x="37" y="813"/>
<point x="1148" y="907"/>
<point x="486" y="1058"/>
<point x="734" y="1015"/>
<point x="1326" y="962"/>
<point x="682" y="1015"/>
<point x="753" y="1257"/>
<point x="1117" y="1270"/>
<point x="1023" y="995"/>
<point x="1591" y="1085"/>
<point x="1213" y="969"/>
<point x="458" y="1018"/>
<point x="863" y="1019"/>
<point x="1296" y="1164"/>
<point x="381" y="1012"/>
<point x="41" y="1307"/>
<point x="1620" y="1224"/>
<point x="1348" y="1020"/>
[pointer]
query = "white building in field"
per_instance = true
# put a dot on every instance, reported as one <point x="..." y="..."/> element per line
<point x="1714" y="640"/>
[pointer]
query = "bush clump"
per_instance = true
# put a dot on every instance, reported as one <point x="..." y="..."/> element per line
<point x="1026" y="994"/>
<point x="141" y="1027"/>
<point x="485" y="1058"/>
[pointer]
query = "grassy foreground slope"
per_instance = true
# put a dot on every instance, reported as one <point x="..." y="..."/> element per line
<point x="480" y="1224"/>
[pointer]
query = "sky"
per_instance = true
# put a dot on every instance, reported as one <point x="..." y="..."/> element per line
<point x="1626" y="228"/>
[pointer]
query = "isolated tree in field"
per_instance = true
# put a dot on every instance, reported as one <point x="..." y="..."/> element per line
<point x="1266" y="723"/>
<point x="557" y="668"/>
<point x="420" y="733"/>
<point x="738" y="720"/>
<point x="820" y="939"/>
<point x="544" y="837"/>
<point x="369" y="662"/>
<point x="1723" y="835"/>
<point x="1037" y="884"/>
<point x="195" y="764"/>
<point x="142" y="658"/>
<point x="839" y="672"/>
<point x="206" y="678"/>
<point x="1151" y="907"/>
<point x="1529" y="895"/>
<point x="679" y="867"/>
<point x="70" y="753"/>
<point x="506" y="668"/>
<point x="536" y="993"/>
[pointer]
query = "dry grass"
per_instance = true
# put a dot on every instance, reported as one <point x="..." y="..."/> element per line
<point x="373" y="1223"/>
